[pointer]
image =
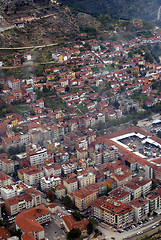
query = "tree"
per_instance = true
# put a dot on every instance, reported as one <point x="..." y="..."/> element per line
<point x="89" y="228"/>
<point x="74" y="234"/>
<point x="78" y="216"/>
<point x="49" y="195"/>
<point x="67" y="202"/>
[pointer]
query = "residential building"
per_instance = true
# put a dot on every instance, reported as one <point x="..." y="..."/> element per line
<point x="7" y="165"/>
<point x="116" y="213"/>
<point x="36" y="154"/>
<point x="154" y="200"/>
<point x="70" y="184"/>
<point x="138" y="187"/>
<point x="122" y="177"/>
<point x="60" y="191"/>
<point x="86" y="179"/>
<point x="120" y="195"/>
<point x="29" y="222"/>
<point x="4" y="180"/>
<point x="30" y="175"/>
<point x="48" y="182"/>
<point x="10" y="142"/>
<point x="69" y="223"/>
<point x="84" y="198"/>
<point x="141" y="208"/>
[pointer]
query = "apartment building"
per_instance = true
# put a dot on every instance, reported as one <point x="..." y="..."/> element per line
<point x="71" y="184"/>
<point x="36" y="154"/>
<point x="154" y="200"/>
<point x="17" y="204"/>
<point x="120" y="195"/>
<point x="96" y="156"/>
<point x="29" y="222"/>
<point x="141" y="208"/>
<point x="4" y="180"/>
<point x="30" y="175"/>
<point x="7" y="165"/>
<point x="12" y="190"/>
<point x="49" y="181"/>
<point x="86" y="179"/>
<point x="138" y="186"/>
<point x="84" y="198"/>
<point x="10" y="142"/>
<point x="117" y="213"/>
<point x="60" y="191"/>
<point x="122" y="177"/>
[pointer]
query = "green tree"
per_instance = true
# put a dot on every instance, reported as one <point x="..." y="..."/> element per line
<point x="74" y="234"/>
<point x="78" y="216"/>
<point x="68" y="202"/>
<point x="89" y="228"/>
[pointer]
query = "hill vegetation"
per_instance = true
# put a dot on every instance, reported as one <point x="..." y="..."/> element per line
<point x="126" y="9"/>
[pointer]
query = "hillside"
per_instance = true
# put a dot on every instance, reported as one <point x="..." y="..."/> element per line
<point x="144" y="9"/>
<point x="44" y="24"/>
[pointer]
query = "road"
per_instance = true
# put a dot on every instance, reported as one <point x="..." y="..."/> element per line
<point x="30" y="47"/>
<point x="109" y="233"/>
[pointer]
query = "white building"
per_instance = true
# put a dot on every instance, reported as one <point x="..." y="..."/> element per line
<point x="49" y="181"/>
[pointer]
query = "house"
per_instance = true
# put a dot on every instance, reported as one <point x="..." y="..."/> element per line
<point x="69" y="223"/>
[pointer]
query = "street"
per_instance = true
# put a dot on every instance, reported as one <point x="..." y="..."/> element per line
<point x="110" y="233"/>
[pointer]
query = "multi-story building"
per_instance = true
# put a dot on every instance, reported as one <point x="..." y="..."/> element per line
<point x="36" y="154"/>
<point x="96" y="157"/>
<point x="25" y="138"/>
<point x="154" y="200"/>
<point x="141" y="208"/>
<point x="14" y="84"/>
<point x="30" y="175"/>
<point x="10" y="142"/>
<point x="7" y="165"/>
<point x="84" y="198"/>
<point x="114" y="212"/>
<point x="138" y="186"/>
<point x="86" y="179"/>
<point x="121" y="178"/>
<point x="12" y="190"/>
<point x="49" y="181"/>
<point x="60" y="191"/>
<point x="121" y="195"/>
<point x="70" y="184"/>
<point x="29" y="222"/>
<point x="4" y="180"/>
<point x="68" y="168"/>
<point x="19" y="203"/>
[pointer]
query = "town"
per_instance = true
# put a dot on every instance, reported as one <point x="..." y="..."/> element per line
<point x="80" y="149"/>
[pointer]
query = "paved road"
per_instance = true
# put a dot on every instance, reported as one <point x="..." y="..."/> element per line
<point x="120" y="236"/>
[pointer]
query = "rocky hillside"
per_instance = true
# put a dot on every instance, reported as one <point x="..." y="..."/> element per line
<point x="45" y="23"/>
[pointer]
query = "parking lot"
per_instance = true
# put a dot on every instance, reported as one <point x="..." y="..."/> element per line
<point x="53" y="229"/>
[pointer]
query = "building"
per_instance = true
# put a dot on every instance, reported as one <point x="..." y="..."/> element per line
<point x="71" y="184"/>
<point x="86" y="179"/>
<point x="138" y="187"/>
<point x="7" y="165"/>
<point x="12" y="190"/>
<point x="141" y="208"/>
<point x="60" y="191"/>
<point x="84" y="198"/>
<point x="4" y="180"/>
<point x="10" y="142"/>
<point x="36" y="154"/>
<point x="115" y="213"/>
<point x="154" y="200"/>
<point x="69" y="223"/>
<point x="30" y="175"/>
<point x="18" y="204"/>
<point x="48" y="182"/>
<point x="29" y="222"/>
<point x="30" y="198"/>
<point x="120" y="195"/>
<point x="122" y="178"/>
